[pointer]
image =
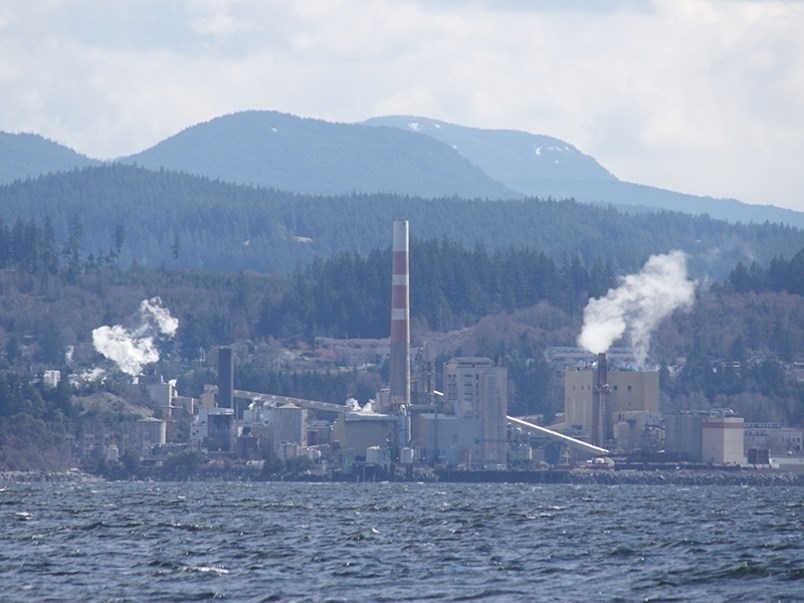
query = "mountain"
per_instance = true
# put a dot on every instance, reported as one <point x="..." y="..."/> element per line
<point x="412" y="156"/>
<point x="547" y="167"/>
<point x="29" y="156"/>
<point x="284" y="152"/>
<point x="521" y="160"/>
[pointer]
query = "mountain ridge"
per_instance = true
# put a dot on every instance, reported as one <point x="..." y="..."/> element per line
<point x="385" y="155"/>
<point x="26" y="155"/>
<point x="521" y="161"/>
<point x="311" y="156"/>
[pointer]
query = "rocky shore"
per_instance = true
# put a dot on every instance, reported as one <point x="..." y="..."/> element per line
<point x="47" y="476"/>
<point x="681" y="477"/>
<point x="689" y="478"/>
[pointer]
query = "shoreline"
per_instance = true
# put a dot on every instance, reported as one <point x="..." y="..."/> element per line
<point x="683" y="477"/>
<point x="42" y="475"/>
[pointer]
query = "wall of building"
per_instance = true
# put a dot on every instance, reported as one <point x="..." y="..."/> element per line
<point x="447" y="438"/>
<point x="683" y="433"/>
<point x="629" y="391"/>
<point x="359" y="431"/>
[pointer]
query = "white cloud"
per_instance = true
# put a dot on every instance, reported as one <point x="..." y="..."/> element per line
<point x="699" y="96"/>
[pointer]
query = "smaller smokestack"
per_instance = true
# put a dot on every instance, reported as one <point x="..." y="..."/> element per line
<point x="600" y="396"/>
<point x="225" y="378"/>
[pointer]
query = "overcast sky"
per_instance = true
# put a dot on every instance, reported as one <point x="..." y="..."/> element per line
<point x="694" y="96"/>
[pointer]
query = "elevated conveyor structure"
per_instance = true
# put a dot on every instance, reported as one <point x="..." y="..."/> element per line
<point x="273" y="400"/>
<point x="569" y="441"/>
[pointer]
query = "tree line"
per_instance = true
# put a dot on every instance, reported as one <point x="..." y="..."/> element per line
<point x="348" y="296"/>
<point x="189" y="222"/>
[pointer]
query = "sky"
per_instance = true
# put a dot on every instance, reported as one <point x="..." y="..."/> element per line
<point x="696" y="96"/>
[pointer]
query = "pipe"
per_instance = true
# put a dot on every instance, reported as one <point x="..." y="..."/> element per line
<point x="580" y="444"/>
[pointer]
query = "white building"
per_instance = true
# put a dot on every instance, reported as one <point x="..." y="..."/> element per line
<point x="477" y="389"/>
<point x="51" y="379"/>
<point x="290" y="425"/>
<point x="151" y="432"/>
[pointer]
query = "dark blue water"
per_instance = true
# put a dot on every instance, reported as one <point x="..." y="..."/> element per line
<point x="134" y="541"/>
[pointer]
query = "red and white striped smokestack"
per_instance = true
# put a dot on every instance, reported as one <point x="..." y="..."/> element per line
<point x="400" y="318"/>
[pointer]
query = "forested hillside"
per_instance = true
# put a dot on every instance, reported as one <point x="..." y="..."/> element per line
<point x="180" y="221"/>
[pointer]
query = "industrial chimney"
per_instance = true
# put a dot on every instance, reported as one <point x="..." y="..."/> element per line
<point x="225" y="378"/>
<point x="400" y="318"/>
<point x="600" y="397"/>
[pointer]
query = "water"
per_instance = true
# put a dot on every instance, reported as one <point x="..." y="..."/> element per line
<point x="136" y="541"/>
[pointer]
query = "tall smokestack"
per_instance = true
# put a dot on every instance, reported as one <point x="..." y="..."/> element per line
<point x="225" y="378"/>
<point x="600" y="396"/>
<point x="400" y="318"/>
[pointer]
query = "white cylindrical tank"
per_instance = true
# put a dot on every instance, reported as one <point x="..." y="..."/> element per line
<point x="373" y="455"/>
<point x="622" y="434"/>
<point x="407" y="456"/>
<point x="112" y="453"/>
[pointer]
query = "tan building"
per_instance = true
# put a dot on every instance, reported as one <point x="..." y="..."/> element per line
<point x="722" y="440"/>
<point x="477" y="389"/>
<point x="629" y="391"/>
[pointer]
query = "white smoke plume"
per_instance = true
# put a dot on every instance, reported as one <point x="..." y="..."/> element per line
<point x="132" y="348"/>
<point x="638" y="305"/>
<point x="165" y="322"/>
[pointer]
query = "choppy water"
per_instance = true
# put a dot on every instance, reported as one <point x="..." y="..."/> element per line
<point x="134" y="541"/>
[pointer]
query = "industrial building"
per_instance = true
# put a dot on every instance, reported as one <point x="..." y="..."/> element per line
<point x="710" y="436"/>
<point x="722" y="440"/>
<point x="774" y="437"/>
<point x="477" y="390"/>
<point x="214" y="430"/>
<point x="606" y="407"/>
<point x="595" y="400"/>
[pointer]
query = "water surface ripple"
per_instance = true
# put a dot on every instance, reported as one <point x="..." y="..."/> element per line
<point x="141" y="541"/>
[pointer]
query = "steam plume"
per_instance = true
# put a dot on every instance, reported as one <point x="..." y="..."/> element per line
<point x="638" y="305"/>
<point x="133" y="348"/>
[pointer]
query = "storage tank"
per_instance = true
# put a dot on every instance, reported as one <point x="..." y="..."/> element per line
<point x="373" y="455"/>
<point x="407" y="456"/>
